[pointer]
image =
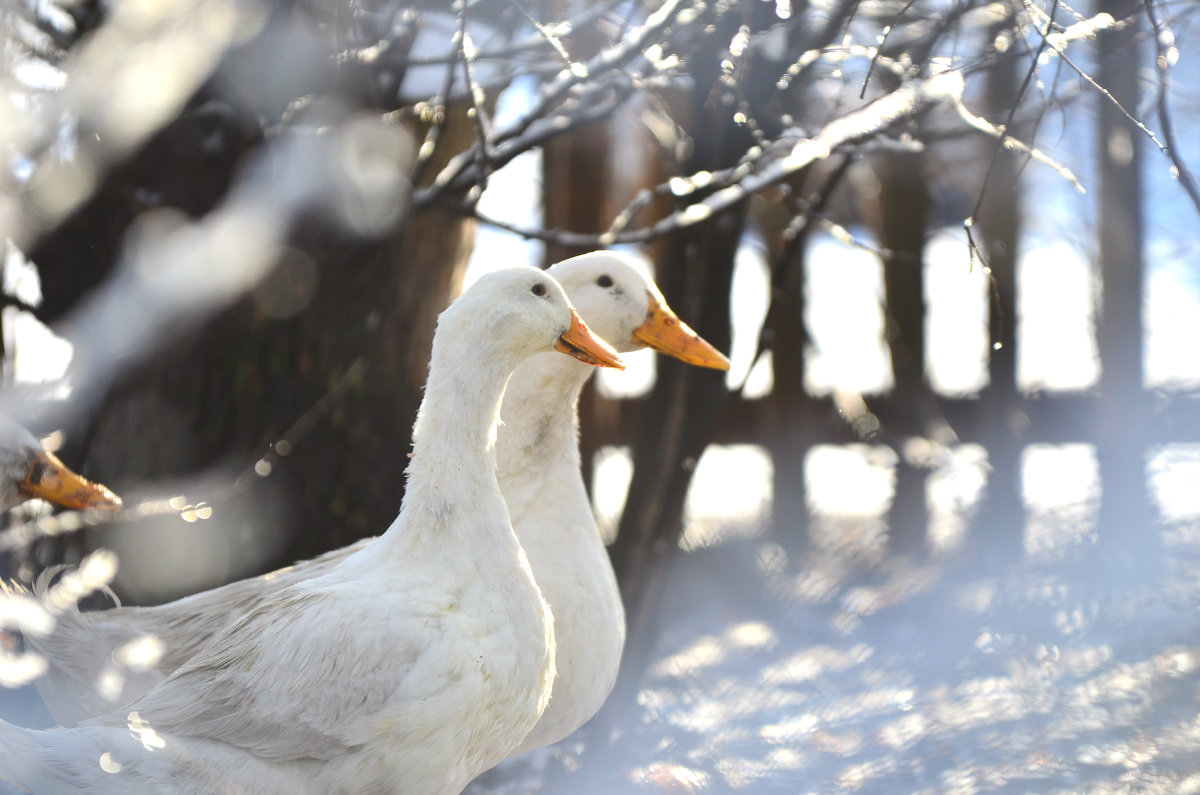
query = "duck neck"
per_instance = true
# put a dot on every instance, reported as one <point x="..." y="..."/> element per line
<point x="540" y="419"/>
<point x="452" y="472"/>
<point x="455" y="432"/>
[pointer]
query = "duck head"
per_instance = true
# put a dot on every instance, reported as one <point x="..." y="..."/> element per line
<point x="28" y="471"/>
<point x="516" y="312"/>
<point x="627" y="309"/>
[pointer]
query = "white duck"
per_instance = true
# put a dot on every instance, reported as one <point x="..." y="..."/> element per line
<point x="538" y="453"/>
<point x="539" y="473"/>
<point x="28" y="471"/>
<point x="410" y="665"/>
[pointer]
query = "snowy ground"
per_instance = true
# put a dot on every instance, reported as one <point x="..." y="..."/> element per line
<point x="1055" y="676"/>
<point x="780" y="671"/>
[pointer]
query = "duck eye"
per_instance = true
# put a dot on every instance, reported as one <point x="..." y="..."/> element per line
<point x="605" y="281"/>
<point x="538" y="289"/>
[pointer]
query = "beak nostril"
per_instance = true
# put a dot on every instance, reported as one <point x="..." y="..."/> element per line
<point x="665" y="332"/>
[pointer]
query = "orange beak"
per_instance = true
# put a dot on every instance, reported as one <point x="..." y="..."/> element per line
<point x="587" y="347"/>
<point x="665" y="332"/>
<point x="49" y="479"/>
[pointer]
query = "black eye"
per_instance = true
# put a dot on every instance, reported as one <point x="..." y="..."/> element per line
<point x="605" y="281"/>
<point x="538" y="289"/>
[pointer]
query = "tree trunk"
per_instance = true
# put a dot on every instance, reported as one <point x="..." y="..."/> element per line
<point x="215" y="400"/>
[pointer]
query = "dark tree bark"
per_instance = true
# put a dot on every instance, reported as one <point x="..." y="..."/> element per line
<point x="222" y="396"/>
<point x="218" y="397"/>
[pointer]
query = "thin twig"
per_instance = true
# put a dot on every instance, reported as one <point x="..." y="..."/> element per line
<point x="997" y="317"/>
<point x="794" y="235"/>
<point x="1003" y="138"/>
<point x="854" y="127"/>
<point x="1162" y="37"/>
<point x="879" y="48"/>
<point x="460" y="174"/>
<point x="21" y="535"/>
<point x="437" y="114"/>
<point x="545" y="32"/>
<point x="466" y="49"/>
<point x="285" y="444"/>
<point x="1096" y="24"/>
<point x="458" y="170"/>
<point x="1007" y="141"/>
<point x="684" y="185"/>
<point x="528" y="47"/>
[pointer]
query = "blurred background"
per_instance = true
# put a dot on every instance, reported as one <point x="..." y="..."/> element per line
<point x="936" y="531"/>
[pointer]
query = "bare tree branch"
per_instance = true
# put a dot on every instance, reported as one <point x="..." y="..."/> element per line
<point x="7" y="299"/>
<point x="460" y="170"/>
<point x="436" y="110"/>
<point x="1097" y="24"/>
<point x="525" y="51"/>
<point x="23" y="534"/>
<point x="743" y="181"/>
<point x="546" y="32"/>
<point x="1164" y="40"/>
<point x="883" y="37"/>
<point x="1001" y="132"/>
<point x="476" y="111"/>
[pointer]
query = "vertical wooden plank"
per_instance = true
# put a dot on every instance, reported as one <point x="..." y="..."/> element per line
<point x="904" y="217"/>
<point x="1124" y="507"/>
<point x="575" y="176"/>
<point x="1001" y="523"/>
<point x="578" y="195"/>
<point x="785" y="417"/>
<point x="676" y="422"/>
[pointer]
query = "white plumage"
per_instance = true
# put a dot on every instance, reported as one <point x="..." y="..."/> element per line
<point x="410" y="665"/>
<point x="539" y="475"/>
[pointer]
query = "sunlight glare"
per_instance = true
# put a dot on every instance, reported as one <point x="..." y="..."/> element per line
<point x="843" y="301"/>
<point x="1172" y="321"/>
<point x="1061" y="488"/>
<point x="1056" y="316"/>
<point x="850" y="480"/>
<point x="612" y="471"/>
<point x="761" y="378"/>
<point x="750" y="293"/>
<point x="729" y="496"/>
<point x="1174" y="471"/>
<point x="956" y="327"/>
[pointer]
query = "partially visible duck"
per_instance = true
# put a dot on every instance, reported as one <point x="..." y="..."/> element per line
<point x="28" y="471"/>
<point x="539" y="474"/>
<point x="410" y="665"/>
